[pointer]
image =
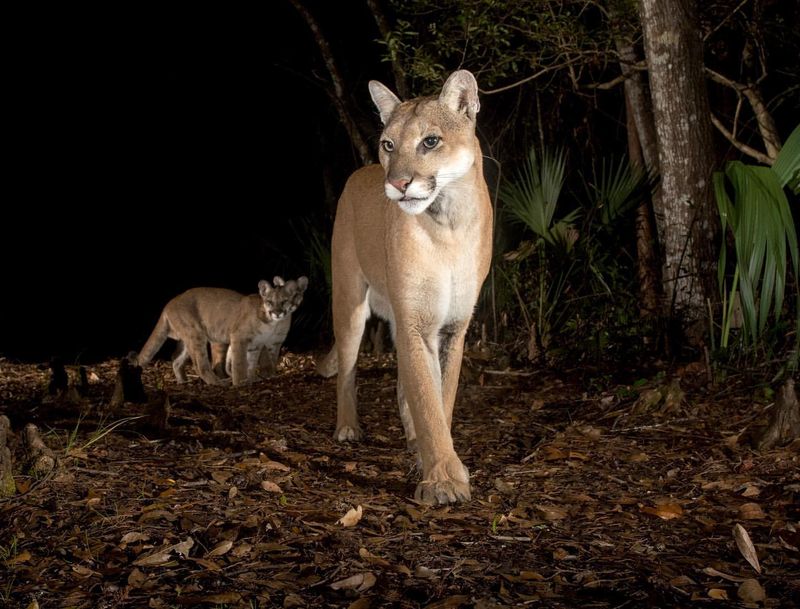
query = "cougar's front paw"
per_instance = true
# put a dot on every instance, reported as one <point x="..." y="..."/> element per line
<point x="346" y="433"/>
<point x="447" y="482"/>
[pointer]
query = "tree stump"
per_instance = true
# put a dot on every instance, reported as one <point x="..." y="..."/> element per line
<point x="784" y="424"/>
<point x="7" y="485"/>
<point x="128" y="387"/>
<point x="42" y="459"/>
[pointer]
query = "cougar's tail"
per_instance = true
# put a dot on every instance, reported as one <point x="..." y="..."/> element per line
<point x="157" y="339"/>
<point x="329" y="364"/>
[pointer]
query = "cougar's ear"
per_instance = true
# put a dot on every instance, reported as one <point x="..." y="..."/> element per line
<point x="278" y="282"/>
<point x="264" y="288"/>
<point x="460" y="93"/>
<point x="302" y="283"/>
<point x="385" y="100"/>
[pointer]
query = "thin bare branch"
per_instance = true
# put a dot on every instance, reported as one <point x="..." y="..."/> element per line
<point x="752" y="152"/>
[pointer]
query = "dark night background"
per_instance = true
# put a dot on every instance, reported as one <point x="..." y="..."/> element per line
<point x="153" y="150"/>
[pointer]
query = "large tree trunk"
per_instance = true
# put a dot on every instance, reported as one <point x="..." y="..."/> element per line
<point x="689" y="225"/>
<point x="643" y="153"/>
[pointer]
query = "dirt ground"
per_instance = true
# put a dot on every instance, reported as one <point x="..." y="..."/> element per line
<point x="585" y="493"/>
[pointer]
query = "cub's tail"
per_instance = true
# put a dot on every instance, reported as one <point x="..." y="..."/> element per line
<point x="329" y="364"/>
<point x="157" y="339"/>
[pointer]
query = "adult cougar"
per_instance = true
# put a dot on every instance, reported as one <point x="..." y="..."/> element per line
<point x="412" y="243"/>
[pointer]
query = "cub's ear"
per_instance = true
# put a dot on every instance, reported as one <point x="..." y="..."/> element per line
<point x="384" y="99"/>
<point x="460" y="93"/>
<point x="264" y="287"/>
<point x="302" y="283"/>
<point x="278" y="282"/>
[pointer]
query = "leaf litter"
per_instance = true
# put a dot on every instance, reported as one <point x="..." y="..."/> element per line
<point x="244" y="499"/>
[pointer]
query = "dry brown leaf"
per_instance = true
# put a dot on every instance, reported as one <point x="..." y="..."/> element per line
<point x="751" y="511"/>
<point x="531" y="576"/>
<point x="23" y="556"/>
<point x="369" y="556"/>
<point x="350" y="466"/>
<point x="665" y="511"/>
<point x="552" y="453"/>
<point x="271" y="487"/>
<point x="136" y="579"/>
<point x="221" y="476"/>
<point x="361" y="603"/>
<point x="639" y="457"/>
<point x="221" y="548"/>
<point x="562" y="554"/>
<point x="153" y="560"/>
<point x="746" y="546"/>
<point x="424" y="572"/>
<point x="223" y="597"/>
<point x="358" y="582"/>
<point x="278" y="466"/>
<point x="232" y="492"/>
<point x="183" y="547"/>
<point x="682" y="580"/>
<point x="715" y="573"/>
<point x="83" y="571"/>
<point x="133" y="537"/>
<point x="718" y="594"/>
<point x="33" y="605"/>
<point x="451" y="602"/>
<point x="351" y="518"/>
<point x="750" y="591"/>
<point x="751" y="490"/>
<point x="551" y="512"/>
<point x="243" y="549"/>
<point x="208" y="564"/>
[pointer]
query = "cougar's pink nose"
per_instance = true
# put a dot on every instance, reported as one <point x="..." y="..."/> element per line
<point x="401" y="184"/>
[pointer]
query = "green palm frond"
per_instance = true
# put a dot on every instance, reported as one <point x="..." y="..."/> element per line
<point x="532" y="196"/>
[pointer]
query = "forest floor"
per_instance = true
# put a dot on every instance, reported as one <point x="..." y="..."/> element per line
<point x="585" y="493"/>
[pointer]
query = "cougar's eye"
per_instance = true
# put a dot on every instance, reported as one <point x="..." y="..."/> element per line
<point x="388" y="145"/>
<point x="431" y="141"/>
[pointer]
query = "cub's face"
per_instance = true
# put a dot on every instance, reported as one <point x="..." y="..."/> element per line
<point x="283" y="297"/>
<point x="423" y="148"/>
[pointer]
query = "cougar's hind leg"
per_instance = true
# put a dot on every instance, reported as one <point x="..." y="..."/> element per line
<point x="180" y="361"/>
<point x="350" y="312"/>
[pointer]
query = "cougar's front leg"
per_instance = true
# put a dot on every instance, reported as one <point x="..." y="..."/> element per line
<point x="219" y="352"/>
<point x="451" y="353"/>
<point x="445" y="479"/>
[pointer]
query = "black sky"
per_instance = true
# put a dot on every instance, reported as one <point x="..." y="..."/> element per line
<point x="153" y="150"/>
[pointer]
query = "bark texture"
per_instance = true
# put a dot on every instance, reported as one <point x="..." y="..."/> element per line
<point x="688" y="224"/>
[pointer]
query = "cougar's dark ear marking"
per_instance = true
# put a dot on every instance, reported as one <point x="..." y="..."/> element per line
<point x="384" y="99"/>
<point x="460" y="93"/>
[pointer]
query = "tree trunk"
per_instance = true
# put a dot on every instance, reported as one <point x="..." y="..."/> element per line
<point x="337" y="94"/>
<point x="646" y="256"/>
<point x="689" y="228"/>
<point x="400" y="79"/>
<point x="643" y="153"/>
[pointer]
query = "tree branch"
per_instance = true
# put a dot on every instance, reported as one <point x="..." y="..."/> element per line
<point x="534" y="76"/>
<point x="338" y="96"/>
<point x="752" y="152"/>
<point x="400" y="81"/>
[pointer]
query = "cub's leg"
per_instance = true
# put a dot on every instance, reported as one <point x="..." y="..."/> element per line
<point x="180" y="361"/>
<point x="267" y="364"/>
<point x="238" y="355"/>
<point x="198" y="351"/>
<point x="219" y="352"/>
<point x="445" y="479"/>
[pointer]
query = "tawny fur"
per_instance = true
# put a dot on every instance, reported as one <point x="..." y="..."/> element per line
<point x="412" y="243"/>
